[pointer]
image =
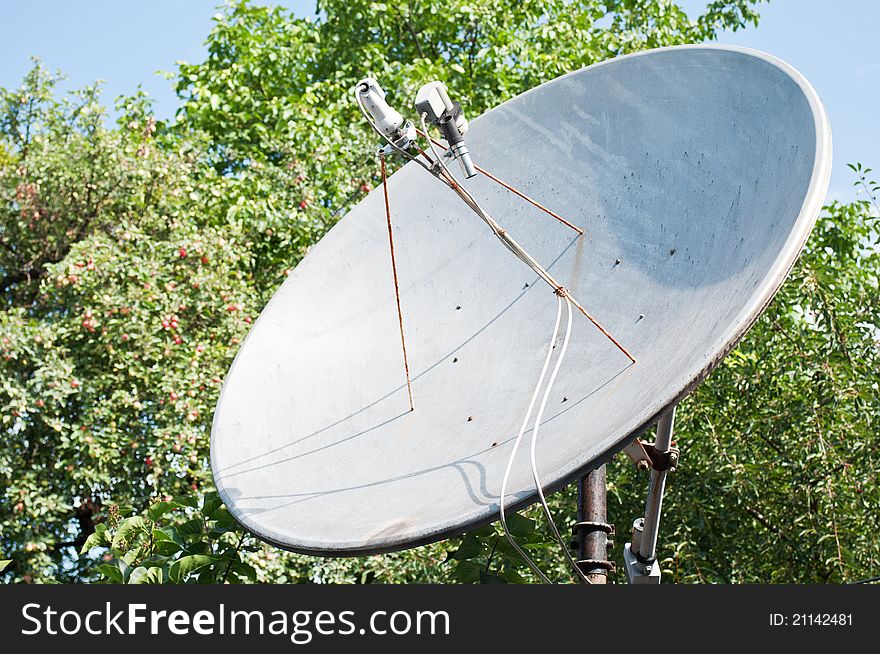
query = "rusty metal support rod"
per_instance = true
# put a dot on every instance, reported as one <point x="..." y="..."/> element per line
<point x="396" y="283"/>
<point x="592" y="528"/>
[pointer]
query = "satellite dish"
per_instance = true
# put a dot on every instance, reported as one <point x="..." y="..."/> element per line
<point x="696" y="172"/>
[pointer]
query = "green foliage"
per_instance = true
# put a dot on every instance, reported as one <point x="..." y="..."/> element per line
<point x="122" y="306"/>
<point x="174" y="542"/>
<point x="134" y="256"/>
<point x="486" y="556"/>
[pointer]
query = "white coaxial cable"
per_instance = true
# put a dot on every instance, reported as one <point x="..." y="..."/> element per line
<point x="516" y="443"/>
<point x="533" y="457"/>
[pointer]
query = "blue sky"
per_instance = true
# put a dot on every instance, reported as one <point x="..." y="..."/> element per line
<point x="832" y="43"/>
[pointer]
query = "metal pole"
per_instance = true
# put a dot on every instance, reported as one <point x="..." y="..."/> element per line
<point x="651" y="527"/>
<point x="592" y="528"/>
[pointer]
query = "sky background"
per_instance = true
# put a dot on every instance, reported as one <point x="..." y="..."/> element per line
<point x="834" y="44"/>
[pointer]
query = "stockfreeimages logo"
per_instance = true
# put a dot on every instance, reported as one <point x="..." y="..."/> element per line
<point x="300" y="627"/>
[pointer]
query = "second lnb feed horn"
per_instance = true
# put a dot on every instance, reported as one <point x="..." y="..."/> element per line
<point x="433" y="102"/>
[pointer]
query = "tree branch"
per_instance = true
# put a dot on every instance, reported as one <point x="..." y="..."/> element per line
<point x="415" y="37"/>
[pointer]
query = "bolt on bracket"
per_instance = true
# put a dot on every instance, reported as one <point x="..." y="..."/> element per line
<point x="646" y="456"/>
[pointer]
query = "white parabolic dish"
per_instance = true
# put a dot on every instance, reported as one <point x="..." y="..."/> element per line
<point x="697" y="173"/>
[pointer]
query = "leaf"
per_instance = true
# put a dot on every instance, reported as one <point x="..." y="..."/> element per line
<point x="243" y="570"/>
<point x="167" y="541"/>
<point x="129" y="558"/>
<point x="111" y="572"/>
<point x="158" y="509"/>
<point x="210" y="504"/>
<point x="223" y="522"/>
<point x="139" y="575"/>
<point x="147" y="575"/>
<point x="511" y="576"/>
<point x="519" y="525"/>
<point x="194" y="527"/>
<point x="223" y="515"/>
<point x="485" y="532"/>
<point x="126" y="531"/>
<point x="187" y="501"/>
<point x="467" y="572"/>
<point x="187" y="565"/>
<point x="489" y="578"/>
<point x="4" y="563"/>
<point x="470" y="548"/>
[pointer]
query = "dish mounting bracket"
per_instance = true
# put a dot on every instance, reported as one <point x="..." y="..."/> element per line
<point x="640" y="554"/>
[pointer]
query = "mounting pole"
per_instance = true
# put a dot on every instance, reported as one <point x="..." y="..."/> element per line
<point x="592" y="529"/>
<point x="640" y="553"/>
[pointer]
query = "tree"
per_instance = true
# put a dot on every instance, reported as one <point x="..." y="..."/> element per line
<point x="121" y="309"/>
<point x="133" y="258"/>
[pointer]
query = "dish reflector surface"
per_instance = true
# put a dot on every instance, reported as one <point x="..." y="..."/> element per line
<point x="697" y="173"/>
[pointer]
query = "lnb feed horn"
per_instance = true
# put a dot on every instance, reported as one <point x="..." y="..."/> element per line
<point x="385" y="118"/>
<point x="433" y="102"/>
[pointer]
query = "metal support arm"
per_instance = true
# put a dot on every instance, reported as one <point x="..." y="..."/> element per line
<point x="640" y="553"/>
